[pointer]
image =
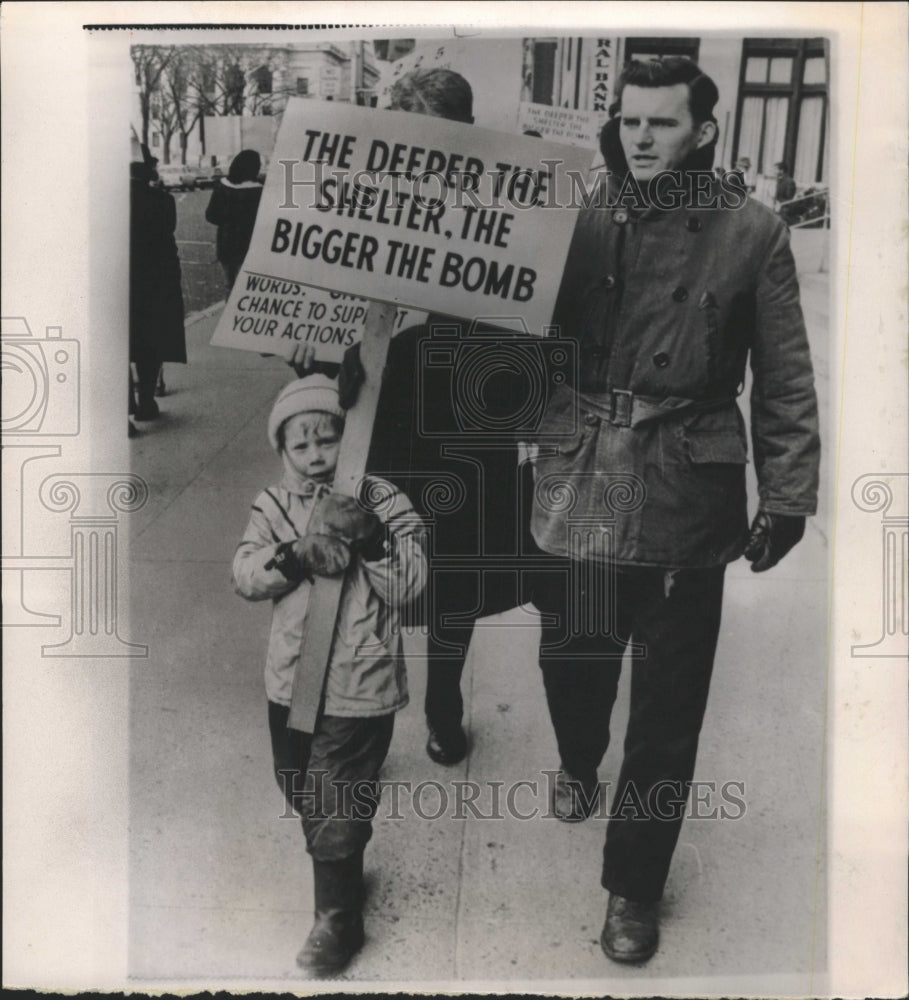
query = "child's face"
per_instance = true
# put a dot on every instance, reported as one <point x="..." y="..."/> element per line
<point x="311" y="445"/>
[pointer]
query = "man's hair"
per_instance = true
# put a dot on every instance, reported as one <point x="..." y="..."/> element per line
<point x="439" y="92"/>
<point x="316" y="422"/>
<point x="702" y="92"/>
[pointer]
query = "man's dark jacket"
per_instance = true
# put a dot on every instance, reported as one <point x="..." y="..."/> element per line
<point x="668" y="307"/>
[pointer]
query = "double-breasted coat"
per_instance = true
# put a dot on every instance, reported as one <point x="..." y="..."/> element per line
<point x="668" y="307"/>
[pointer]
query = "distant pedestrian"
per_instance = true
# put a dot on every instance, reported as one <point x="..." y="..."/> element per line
<point x="156" y="332"/>
<point x="743" y="169"/>
<point x="784" y="193"/>
<point x="232" y="208"/>
<point x="298" y="530"/>
<point x="785" y="184"/>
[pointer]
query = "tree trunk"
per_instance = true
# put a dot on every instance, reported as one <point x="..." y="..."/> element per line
<point x="166" y="136"/>
<point x="146" y="115"/>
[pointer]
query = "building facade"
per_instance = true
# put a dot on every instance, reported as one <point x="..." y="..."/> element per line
<point x="200" y="105"/>
<point x="774" y="92"/>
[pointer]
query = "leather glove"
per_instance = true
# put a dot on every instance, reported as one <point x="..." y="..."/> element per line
<point x="351" y="377"/>
<point x="342" y="515"/>
<point x="772" y="536"/>
<point x="323" y="555"/>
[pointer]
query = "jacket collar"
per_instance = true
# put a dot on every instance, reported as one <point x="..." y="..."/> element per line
<point x="302" y="486"/>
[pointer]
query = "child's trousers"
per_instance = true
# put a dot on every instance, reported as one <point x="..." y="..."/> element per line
<point x="331" y="777"/>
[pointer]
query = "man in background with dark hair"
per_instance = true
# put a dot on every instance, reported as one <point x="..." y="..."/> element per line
<point x="668" y="304"/>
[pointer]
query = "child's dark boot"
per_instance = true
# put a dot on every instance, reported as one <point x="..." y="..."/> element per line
<point x="337" y="934"/>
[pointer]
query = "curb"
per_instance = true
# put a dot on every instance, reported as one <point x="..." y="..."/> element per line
<point x="201" y="314"/>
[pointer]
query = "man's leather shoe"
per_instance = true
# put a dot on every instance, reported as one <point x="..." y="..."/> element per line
<point x="632" y="930"/>
<point x="448" y="747"/>
<point x="574" y="800"/>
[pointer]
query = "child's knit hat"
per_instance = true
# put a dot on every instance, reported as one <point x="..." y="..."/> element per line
<point x="313" y="394"/>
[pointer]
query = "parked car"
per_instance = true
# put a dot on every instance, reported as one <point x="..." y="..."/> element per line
<point x="207" y="177"/>
<point x="176" y="177"/>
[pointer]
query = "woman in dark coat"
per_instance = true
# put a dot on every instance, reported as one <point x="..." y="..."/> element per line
<point x="156" y="331"/>
<point x="233" y="207"/>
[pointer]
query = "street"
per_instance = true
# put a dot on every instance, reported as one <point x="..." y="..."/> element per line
<point x="203" y="277"/>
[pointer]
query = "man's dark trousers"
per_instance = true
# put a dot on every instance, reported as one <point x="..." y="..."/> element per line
<point x="672" y="621"/>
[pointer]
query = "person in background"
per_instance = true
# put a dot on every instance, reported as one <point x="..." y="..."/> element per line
<point x="156" y="332"/>
<point x="297" y="530"/>
<point x="232" y="208"/>
<point x="743" y="169"/>
<point x="784" y="192"/>
<point x="785" y="184"/>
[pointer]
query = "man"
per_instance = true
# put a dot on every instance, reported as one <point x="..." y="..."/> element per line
<point x="743" y="169"/>
<point x="783" y="194"/>
<point x="645" y="504"/>
<point x="785" y="185"/>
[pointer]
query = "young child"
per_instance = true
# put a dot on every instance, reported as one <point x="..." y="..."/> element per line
<point x="298" y="530"/>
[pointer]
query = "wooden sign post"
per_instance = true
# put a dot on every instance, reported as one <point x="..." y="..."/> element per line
<point x="325" y="598"/>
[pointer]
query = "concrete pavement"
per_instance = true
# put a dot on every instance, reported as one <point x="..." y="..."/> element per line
<point x="220" y="887"/>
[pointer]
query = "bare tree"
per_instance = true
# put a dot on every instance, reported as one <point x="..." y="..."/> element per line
<point x="150" y="62"/>
<point x="182" y="88"/>
<point x="180" y="85"/>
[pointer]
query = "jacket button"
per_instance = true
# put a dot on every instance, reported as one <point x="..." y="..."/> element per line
<point x="609" y="281"/>
<point x="590" y="418"/>
<point x="621" y="217"/>
<point x="680" y="294"/>
<point x="661" y="360"/>
<point x="693" y="225"/>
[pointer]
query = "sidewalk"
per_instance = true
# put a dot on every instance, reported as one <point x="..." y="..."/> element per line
<point x="220" y="886"/>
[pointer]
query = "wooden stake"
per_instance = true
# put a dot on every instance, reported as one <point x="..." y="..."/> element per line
<point x="325" y="597"/>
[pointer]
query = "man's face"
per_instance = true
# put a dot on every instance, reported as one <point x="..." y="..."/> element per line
<point x="656" y="129"/>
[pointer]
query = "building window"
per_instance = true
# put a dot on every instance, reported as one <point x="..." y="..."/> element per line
<point x="302" y="86"/>
<point x="543" y="79"/>
<point x="659" y="48"/>
<point x="782" y="107"/>
<point x="234" y="85"/>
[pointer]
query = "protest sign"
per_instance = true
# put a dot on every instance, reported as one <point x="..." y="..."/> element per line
<point x="408" y="209"/>
<point x="577" y="128"/>
<point x="268" y="314"/>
